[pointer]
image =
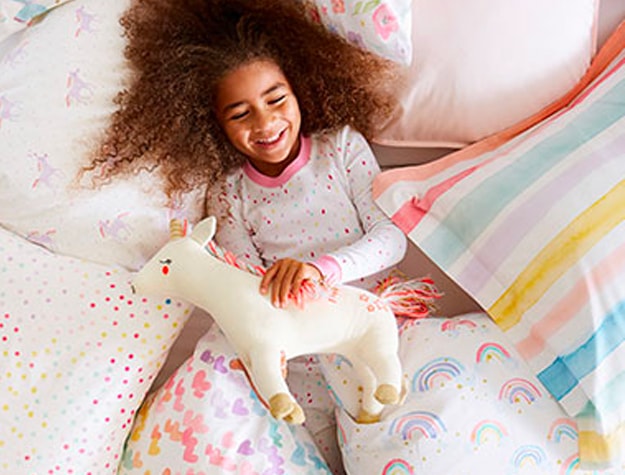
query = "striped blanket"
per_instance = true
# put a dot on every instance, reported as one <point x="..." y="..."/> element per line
<point x="533" y="228"/>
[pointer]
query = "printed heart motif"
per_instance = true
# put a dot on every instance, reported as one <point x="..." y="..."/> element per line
<point x="200" y="384"/>
<point x="207" y="357"/>
<point x="246" y="468"/>
<point x="216" y="458"/>
<point x="227" y="440"/>
<point x="245" y="448"/>
<point x="239" y="408"/>
<point x="220" y="366"/>
<point x="173" y="429"/>
<point x="299" y="456"/>
<point x="136" y="460"/>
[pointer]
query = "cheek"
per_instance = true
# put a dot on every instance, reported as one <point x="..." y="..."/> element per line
<point x="235" y="132"/>
<point x="294" y="114"/>
<point x="165" y="270"/>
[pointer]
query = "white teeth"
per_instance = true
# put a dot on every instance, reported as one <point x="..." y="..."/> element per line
<point x="270" y="140"/>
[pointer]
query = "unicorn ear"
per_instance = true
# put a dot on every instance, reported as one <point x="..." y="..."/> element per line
<point x="204" y="231"/>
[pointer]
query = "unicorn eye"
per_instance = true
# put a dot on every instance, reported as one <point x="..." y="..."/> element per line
<point x="165" y="268"/>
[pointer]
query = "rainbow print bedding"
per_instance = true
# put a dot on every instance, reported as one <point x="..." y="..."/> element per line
<point x="534" y="230"/>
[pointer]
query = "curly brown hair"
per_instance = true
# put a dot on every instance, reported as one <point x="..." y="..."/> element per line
<point x="179" y="50"/>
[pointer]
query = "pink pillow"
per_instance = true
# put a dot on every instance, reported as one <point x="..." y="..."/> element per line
<point x="481" y="66"/>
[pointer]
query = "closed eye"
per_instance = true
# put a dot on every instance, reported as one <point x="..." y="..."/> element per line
<point x="239" y="116"/>
<point x="165" y="261"/>
<point x="277" y="100"/>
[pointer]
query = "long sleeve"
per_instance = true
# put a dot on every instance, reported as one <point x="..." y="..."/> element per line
<point x="233" y="232"/>
<point x="383" y="244"/>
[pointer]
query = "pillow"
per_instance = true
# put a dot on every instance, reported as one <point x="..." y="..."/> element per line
<point x="207" y="419"/>
<point x="383" y="28"/>
<point x="471" y="402"/>
<point x="79" y="353"/>
<point x="534" y="231"/>
<point x="16" y="15"/>
<point x="58" y="79"/>
<point x="478" y="67"/>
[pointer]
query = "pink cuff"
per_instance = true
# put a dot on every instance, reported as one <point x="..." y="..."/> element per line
<point x="329" y="268"/>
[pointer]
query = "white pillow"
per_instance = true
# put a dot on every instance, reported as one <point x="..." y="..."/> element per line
<point x="79" y="353"/>
<point x="381" y="27"/>
<point x="58" y="79"/>
<point x="481" y="66"/>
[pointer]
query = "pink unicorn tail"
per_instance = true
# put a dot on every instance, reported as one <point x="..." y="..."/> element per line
<point x="411" y="298"/>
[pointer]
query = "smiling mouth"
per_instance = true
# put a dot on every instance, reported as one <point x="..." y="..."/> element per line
<point x="269" y="141"/>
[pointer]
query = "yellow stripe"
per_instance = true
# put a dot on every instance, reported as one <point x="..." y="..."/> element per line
<point x="600" y="450"/>
<point x="558" y="256"/>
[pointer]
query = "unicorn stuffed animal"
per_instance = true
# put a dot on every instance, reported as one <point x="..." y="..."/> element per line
<point x="345" y="320"/>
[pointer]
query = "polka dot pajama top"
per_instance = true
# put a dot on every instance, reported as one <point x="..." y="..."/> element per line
<point x="319" y="210"/>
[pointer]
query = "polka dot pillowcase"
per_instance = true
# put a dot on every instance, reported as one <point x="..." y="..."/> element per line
<point x="78" y="354"/>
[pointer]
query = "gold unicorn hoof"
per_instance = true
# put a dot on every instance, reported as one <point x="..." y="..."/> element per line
<point x="365" y="417"/>
<point x="386" y="394"/>
<point x="282" y="406"/>
<point x="296" y="416"/>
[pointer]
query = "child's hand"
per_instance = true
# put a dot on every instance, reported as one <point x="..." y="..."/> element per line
<point x="285" y="277"/>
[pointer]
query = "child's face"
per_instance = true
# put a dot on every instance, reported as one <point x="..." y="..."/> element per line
<point x="260" y="115"/>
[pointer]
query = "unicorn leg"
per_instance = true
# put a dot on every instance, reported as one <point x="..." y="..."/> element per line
<point x="370" y="408"/>
<point x="379" y="353"/>
<point x="268" y="370"/>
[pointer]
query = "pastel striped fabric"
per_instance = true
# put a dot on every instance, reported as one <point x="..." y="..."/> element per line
<point x="534" y="230"/>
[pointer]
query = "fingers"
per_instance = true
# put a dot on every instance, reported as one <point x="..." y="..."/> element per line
<point x="284" y="277"/>
<point x="283" y="284"/>
<point x="268" y="278"/>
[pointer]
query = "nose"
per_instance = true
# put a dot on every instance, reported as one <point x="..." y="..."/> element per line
<point x="263" y="121"/>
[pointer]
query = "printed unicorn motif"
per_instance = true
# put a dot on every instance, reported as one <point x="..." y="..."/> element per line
<point x="78" y="90"/>
<point x="16" y="55"/>
<point x="115" y="228"/>
<point x="46" y="171"/>
<point x="43" y="239"/>
<point x="85" y="21"/>
<point x="6" y="109"/>
<point x="354" y="323"/>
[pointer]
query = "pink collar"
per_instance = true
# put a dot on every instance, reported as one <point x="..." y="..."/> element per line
<point x="291" y="169"/>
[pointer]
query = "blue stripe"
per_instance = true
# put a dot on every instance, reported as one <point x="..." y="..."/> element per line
<point x="473" y="213"/>
<point x="566" y="371"/>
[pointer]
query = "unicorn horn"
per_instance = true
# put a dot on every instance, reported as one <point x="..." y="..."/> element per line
<point x="176" y="229"/>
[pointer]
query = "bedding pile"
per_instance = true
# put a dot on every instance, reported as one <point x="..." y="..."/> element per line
<point x="531" y="386"/>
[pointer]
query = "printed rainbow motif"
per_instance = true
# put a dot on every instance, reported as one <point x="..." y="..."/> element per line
<point x="398" y="467"/>
<point x="436" y="373"/>
<point x="528" y="456"/>
<point x="488" y="352"/>
<point x="570" y="466"/>
<point x="488" y="431"/>
<point x="453" y="325"/>
<point x="516" y="390"/>
<point x="562" y="428"/>
<point x="410" y="425"/>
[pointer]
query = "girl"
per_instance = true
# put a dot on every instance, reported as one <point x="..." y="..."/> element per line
<point x="273" y="112"/>
<point x="264" y="105"/>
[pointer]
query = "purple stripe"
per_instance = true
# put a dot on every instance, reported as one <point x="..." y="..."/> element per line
<point x="512" y="230"/>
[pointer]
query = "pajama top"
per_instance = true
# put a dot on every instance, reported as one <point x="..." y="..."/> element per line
<point x="319" y="210"/>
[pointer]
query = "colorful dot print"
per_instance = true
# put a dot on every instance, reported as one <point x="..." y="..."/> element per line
<point x="78" y="352"/>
